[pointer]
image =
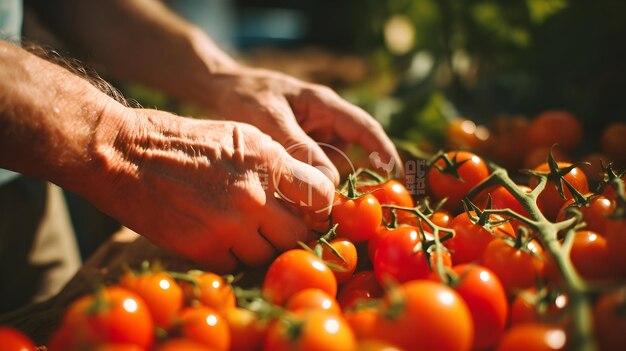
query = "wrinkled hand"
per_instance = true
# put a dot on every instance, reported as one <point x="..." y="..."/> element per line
<point x="206" y="188"/>
<point x="295" y="113"/>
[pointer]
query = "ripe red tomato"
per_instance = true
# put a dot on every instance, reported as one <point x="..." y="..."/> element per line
<point x="441" y="218"/>
<point x="362" y="287"/>
<point x="362" y="321"/>
<point x="311" y="299"/>
<point x="472" y="171"/>
<point x="210" y="290"/>
<point x="357" y="219"/>
<point x="530" y="306"/>
<point x="206" y="326"/>
<point x="179" y="344"/>
<point x="421" y="314"/>
<point x="395" y="257"/>
<point x="118" y="347"/>
<point x="14" y="340"/>
<point x="391" y="192"/>
<point x="535" y="337"/>
<point x="516" y="268"/>
<point x="113" y="315"/>
<point x="246" y="329"/>
<point x="550" y="200"/>
<point x="347" y="250"/>
<point x="471" y="239"/>
<point x="296" y="270"/>
<point x="463" y="133"/>
<point x="594" y="214"/>
<point x="314" y="330"/>
<point x="501" y="198"/>
<point x="590" y="256"/>
<point x="539" y="155"/>
<point x="616" y="241"/>
<point x="560" y="127"/>
<point x="162" y="295"/>
<point x="508" y="144"/>
<point x="485" y="297"/>
<point x="610" y="321"/>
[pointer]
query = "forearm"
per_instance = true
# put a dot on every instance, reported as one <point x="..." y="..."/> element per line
<point x="142" y="41"/>
<point x="47" y="119"/>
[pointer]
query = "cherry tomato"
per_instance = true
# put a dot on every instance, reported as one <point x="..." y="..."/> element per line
<point x="395" y="257"/>
<point x="357" y="219"/>
<point x="347" y="250"/>
<point x="376" y="345"/>
<point x="471" y="239"/>
<point x="311" y="299"/>
<point x="530" y="306"/>
<point x="296" y="270"/>
<point x="113" y="315"/>
<point x="501" y="198"/>
<point x="463" y="133"/>
<point x="162" y="295"/>
<point x="362" y="321"/>
<point x="472" y="171"/>
<point x="550" y="200"/>
<point x="593" y="170"/>
<point x="517" y="268"/>
<point x="485" y="297"/>
<point x="362" y="287"/>
<point x="314" y="330"/>
<point x="118" y="347"/>
<point x="594" y="214"/>
<point x="610" y="320"/>
<point x="180" y="344"/>
<point x="246" y="329"/>
<point x="441" y="218"/>
<point x="421" y="314"/>
<point x="508" y="144"/>
<point x="590" y="256"/>
<point x="391" y="192"/>
<point x="372" y="244"/>
<point x="533" y="337"/>
<point x="560" y="127"/>
<point x="211" y="290"/>
<point x="539" y="155"/>
<point x="616" y="242"/>
<point x="205" y="326"/>
<point x="14" y="340"/>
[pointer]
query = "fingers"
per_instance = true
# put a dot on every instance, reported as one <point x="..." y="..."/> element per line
<point x="302" y="186"/>
<point x="298" y="144"/>
<point x="281" y="227"/>
<point x="353" y="125"/>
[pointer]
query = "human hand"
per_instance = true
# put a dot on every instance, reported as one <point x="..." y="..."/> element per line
<point x="295" y="113"/>
<point x="205" y="188"/>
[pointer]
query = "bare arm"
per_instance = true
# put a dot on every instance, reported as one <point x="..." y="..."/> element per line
<point x="202" y="188"/>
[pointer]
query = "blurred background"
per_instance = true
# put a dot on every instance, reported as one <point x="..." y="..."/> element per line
<point x="436" y="73"/>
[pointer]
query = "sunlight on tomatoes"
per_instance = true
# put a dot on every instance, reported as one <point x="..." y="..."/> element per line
<point x="533" y="337"/>
<point x="550" y="200"/>
<point x="14" y="340"/>
<point x="356" y="219"/>
<point x="312" y="299"/>
<point x="205" y="326"/>
<point x="210" y="290"/>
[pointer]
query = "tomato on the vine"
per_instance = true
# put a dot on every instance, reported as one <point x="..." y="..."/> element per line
<point x="361" y="287"/>
<point x="362" y="321"/>
<point x="594" y="214"/>
<point x="314" y="330"/>
<point x="348" y="252"/>
<point x="205" y="326"/>
<point x="356" y="219"/>
<point x="471" y="170"/>
<point x="532" y="306"/>
<point x="311" y="299"/>
<point x="516" y="267"/>
<point x="296" y="270"/>
<point x="112" y="315"/>
<point x="14" y="340"/>
<point x="395" y="256"/>
<point x="246" y="329"/>
<point x="501" y="198"/>
<point x="391" y="192"/>
<point x="421" y="315"/>
<point x="471" y="239"/>
<point x="533" y="336"/>
<point x="178" y="344"/>
<point x="590" y="256"/>
<point x="162" y="295"/>
<point x="210" y="290"/>
<point x="484" y="295"/>
<point x="550" y="200"/>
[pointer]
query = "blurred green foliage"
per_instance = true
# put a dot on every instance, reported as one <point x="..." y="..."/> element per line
<point x="491" y="57"/>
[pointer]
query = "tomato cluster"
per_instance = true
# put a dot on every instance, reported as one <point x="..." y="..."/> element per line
<point x="486" y="269"/>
